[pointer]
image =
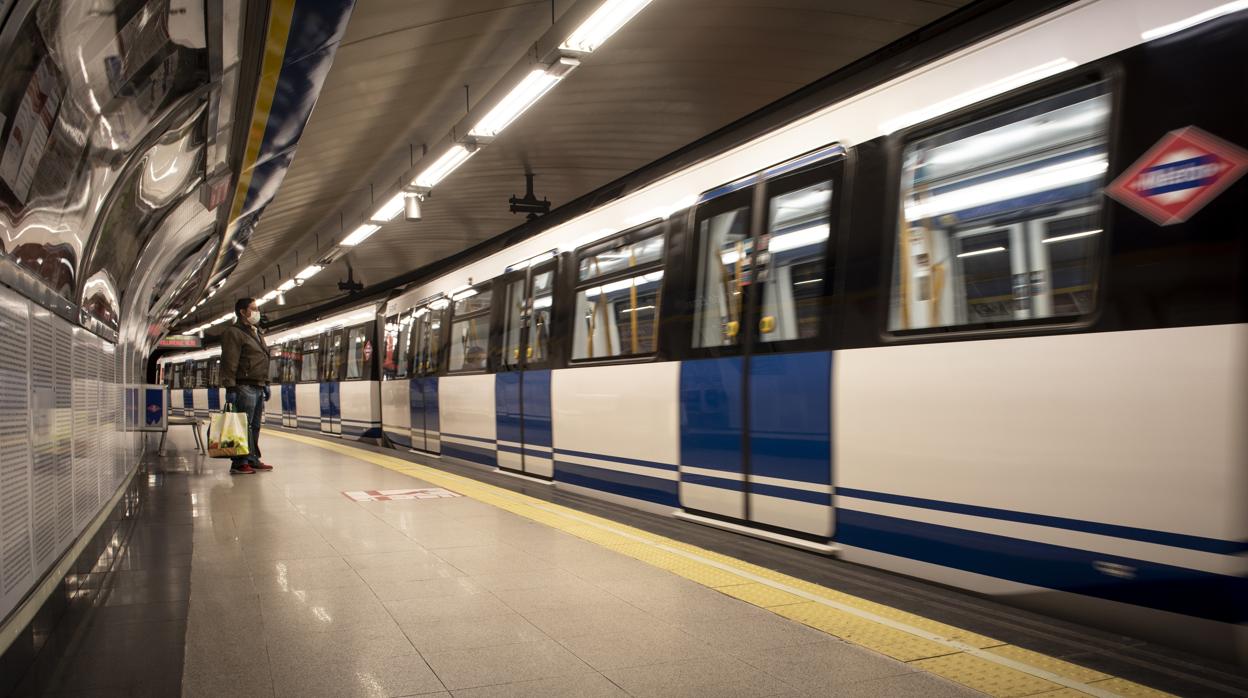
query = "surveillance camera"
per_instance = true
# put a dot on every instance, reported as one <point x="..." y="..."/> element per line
<point x="411" y="206"/>
<point x="299" y="282"/>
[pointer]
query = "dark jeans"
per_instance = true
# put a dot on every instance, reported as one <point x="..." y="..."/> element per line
<point x="249" y="400"/>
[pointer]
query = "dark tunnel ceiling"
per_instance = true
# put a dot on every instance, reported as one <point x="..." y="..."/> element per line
<point x="679" y="70"/>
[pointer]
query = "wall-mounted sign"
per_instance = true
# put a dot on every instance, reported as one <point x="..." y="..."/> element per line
<point x="154" y="409"/>
<point x="1184" y="171"/>
<point x="180" y="341"/>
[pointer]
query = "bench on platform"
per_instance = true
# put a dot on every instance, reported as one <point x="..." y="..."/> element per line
<point x="191" y="422"/>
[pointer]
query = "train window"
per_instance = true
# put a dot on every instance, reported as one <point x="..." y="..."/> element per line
<point x="201" y="374"/>
<point x="427" y="338"/>
<point x="420" y="326"/>
<point x="311" y="367"/>
<point x="390" y="349"/>
<point x="725" y="255"/>
<point x="799" y="226"/>
<point x="275" y="364"/>
<point x="614" y="259"/>
<point x="359" y="352"/>
<point x="617" y="312"/>
<point x="470" y="332"/>
<point x="334" y="364"/>
<point x="402" y="346"/>
<point x="543" y="304"/>
<point x="513" y="322"/>
<point x="474" y="303"/>
<point x="214" y="373"/>
<point x="1000" y="217"/>
<point x="293" y="364"/>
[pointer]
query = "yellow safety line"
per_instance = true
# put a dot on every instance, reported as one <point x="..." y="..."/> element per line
<point x="973" y="660"/>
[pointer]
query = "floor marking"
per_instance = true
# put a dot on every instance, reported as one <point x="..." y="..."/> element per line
<point x="389" y="495"/>
<point x="976" y="661"/>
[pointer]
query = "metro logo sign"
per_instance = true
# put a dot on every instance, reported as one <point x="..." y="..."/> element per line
<point x="1178" y="176"/>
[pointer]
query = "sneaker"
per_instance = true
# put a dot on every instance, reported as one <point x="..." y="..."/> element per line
<point x="244" y="470"/>
<point x="262" y="466"/>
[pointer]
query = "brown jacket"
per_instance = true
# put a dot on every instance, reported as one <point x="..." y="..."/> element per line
<point x="244" y="356"/>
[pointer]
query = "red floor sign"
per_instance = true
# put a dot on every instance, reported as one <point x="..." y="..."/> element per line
<point x="388" y="495"/>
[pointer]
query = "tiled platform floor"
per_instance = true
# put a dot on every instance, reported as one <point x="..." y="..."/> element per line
<point x="297" y="591"/>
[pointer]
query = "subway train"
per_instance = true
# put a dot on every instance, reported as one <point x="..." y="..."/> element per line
<point x="974" y="312"/>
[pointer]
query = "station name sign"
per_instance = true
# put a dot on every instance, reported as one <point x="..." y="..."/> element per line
<point x="180" y="341"/>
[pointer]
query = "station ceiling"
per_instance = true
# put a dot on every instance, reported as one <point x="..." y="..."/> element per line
<point x="677" y="71"/>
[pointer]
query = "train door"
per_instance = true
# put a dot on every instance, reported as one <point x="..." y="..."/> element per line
<point x="427" y="339"/>
<point x="522" y="384"/>
<point x="756" y="395"/>
<point x="334" y="361"/>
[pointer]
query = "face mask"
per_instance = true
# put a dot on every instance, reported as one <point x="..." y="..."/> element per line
<point x="253" y="317"/>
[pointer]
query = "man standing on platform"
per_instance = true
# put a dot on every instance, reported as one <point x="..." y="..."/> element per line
<point x="245" y="376"/>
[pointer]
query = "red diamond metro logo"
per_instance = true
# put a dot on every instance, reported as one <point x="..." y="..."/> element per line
<point x="1184" y="171"/>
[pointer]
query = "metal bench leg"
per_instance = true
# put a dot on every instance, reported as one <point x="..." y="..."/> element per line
<point x="199" y="441"/>
<point x="160" y="450"/>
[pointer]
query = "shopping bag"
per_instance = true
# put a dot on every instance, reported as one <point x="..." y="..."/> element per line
<point x="227" y="435"/>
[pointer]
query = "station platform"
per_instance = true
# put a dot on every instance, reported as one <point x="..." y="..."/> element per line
<point x="357" y="571"/>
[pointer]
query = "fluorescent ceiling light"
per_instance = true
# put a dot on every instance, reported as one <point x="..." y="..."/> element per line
<point x="537" y="83"/>
<point x="976" y="253"/>
<point x="639" y="308"/>
<point x="604" y="22"/>
<point x="1071" y="236"/>
<point x="310" y="271"/>
<point x="360" y="234"/>
<point x="807" y="281"/>
<point x="464" y="294"/>
<point x="286" y="286"/>
<point x="1195" y="19"/>
<point x="262" y="301"/>
<point x="270" y="295"/>
<point x="443" y="166"/>
<point x="977" y="94"/>
<point x="389" y="210"/>
<point x="1043" y="179"/>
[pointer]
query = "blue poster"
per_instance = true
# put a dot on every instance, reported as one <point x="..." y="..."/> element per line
<point x="154" y="408"/>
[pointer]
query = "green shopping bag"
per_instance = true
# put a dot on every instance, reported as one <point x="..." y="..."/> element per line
<point x="227" y="435"/>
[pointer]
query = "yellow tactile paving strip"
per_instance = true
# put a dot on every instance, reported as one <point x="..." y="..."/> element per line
<point x="973" y="660"/>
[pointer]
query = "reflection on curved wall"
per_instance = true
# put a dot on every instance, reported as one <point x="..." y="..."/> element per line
<point x="84" y="88"/>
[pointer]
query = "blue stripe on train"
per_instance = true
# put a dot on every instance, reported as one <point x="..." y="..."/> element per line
<point x="474" y="454"/>
<point x="790" y="493"/>
<point x="1164" y="587"/>
<point x="1176" y="540"/>
<point x="619" y="459"/>
<point x="650" y="489"/>
<point x="720" y="482"/>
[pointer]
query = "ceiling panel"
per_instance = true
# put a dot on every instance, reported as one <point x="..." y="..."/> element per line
<point x="679" y="70"/>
